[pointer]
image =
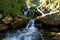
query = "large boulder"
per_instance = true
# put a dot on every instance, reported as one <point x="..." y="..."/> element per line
<point x="49" y="21"/>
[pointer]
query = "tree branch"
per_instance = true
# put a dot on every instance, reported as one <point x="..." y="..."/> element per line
<point x="43" y="15"/>
<point x="40" y="11"/>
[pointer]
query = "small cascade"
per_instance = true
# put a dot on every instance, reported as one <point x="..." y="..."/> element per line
<point x="25" y="13"/>
<point x="31" y="23"/>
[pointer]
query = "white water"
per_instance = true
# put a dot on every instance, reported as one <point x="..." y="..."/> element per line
<point x="29" y="33"/>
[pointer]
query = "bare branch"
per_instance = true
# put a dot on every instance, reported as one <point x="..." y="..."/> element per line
<point x="43" y="15"/>
<point x="40" y="11"/>
<point x="50" y="13"/>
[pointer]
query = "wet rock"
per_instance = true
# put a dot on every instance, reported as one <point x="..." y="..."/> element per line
<point x="18" y="22"/>
<point x="7" y="19"/>
<point x="25" y="19"/>
<point x="3" y="27"/>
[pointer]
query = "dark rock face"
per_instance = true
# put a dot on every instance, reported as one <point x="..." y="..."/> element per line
<point x="18" y="22"/>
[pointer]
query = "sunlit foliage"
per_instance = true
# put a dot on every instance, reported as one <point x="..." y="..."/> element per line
<point x="33" y="3"/>
<point x="50" y="5"/>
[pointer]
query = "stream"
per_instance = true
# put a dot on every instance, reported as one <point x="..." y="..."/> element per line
<point x="28" y="33"/>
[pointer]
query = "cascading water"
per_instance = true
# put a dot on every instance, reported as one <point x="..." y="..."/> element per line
<point x="29" y="33"/>
<point x="26" y="11"/>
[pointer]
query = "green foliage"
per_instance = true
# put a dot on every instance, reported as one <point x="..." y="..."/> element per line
<point x="35" y="2"/>
<point x="12" y="6"/>
<point x="50" y="5"/>
<point x="22" y="3"/>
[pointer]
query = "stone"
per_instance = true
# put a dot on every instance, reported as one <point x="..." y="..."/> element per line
<point x="50" y="19"/>
<point x="18" y="22"/>
<point x="7" y="19"/>
<point x="3" y="27"/>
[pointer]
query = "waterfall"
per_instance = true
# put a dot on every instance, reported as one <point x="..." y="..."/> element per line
<point x="29" y="33"/>
<point x="26" y="11"/>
